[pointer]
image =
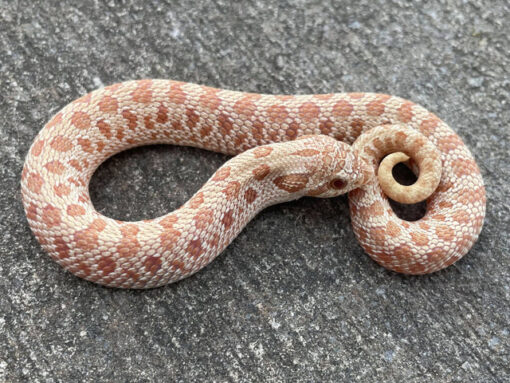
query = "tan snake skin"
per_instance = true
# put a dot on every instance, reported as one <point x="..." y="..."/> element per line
<point x="278" y="167"/>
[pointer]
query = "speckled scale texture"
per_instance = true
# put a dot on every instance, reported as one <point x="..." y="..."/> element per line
<point x="285" y="146"/>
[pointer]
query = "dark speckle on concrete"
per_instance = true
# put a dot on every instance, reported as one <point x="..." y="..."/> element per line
<point x="294" y="298"/>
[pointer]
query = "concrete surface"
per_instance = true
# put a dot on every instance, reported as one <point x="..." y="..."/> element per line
<point x="293" y="298"/>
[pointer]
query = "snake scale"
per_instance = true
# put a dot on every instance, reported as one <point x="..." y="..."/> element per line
<point x="285" y="147"/>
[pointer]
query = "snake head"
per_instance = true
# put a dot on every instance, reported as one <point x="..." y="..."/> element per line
<point x="337" y="170"/>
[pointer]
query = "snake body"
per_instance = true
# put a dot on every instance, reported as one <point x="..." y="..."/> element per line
<point x="286" y="147"/>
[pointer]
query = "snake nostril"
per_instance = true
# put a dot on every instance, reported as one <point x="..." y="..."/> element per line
<point x="338" y="184"/>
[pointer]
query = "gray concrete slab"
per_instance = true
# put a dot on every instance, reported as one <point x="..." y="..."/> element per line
<point x="294" y="298"/>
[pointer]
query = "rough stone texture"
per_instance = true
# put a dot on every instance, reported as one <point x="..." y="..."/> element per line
<point x="293" y="298"/>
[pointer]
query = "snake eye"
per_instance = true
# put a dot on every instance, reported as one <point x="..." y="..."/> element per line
<point x="338" y="183"/>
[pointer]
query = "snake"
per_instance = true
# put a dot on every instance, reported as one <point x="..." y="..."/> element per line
<point x="284" y="147"/>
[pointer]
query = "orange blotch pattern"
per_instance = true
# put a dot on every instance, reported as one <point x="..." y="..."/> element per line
<point x="292" y="130"/>
<point x="392" y="229"/>
<point x="169" y="238"/>
<point x="108" y="105"/>
<point x="261" y="172"/>
<point x="55" y="167"/>
<point x="377" y="107"/>
<point x="143" y="93"/>
<point x="152" y="264"/>
<point x="61" y="144"/>
<point x="51" y="216"/>
<point x="462" y="217"/>
<point x="445" y="204"/>
<point x="405" y="112"/>
<point x="197" y="200"/>
<point x="402" y="251"/>
<point x="226" y="124"/>
<point x="326" y="126"/>
<point x="106" y="265"/>
<point x="232" y="190"/>
<point x="60" y="247"/>
<point x="80" y="120"/>
<point x="357" y="127"/>
<point x="178" y="264"/>
<point x="449" y="143"/>
<point x="445" y="233"/>
<point x="250" y="195"/>
<point x="176" y="95"/>
<point x="308" y="111"/>
<point x="424" y="226"/>
<point x="374" y="210"/>
<point x="75" y="210"/>
<point x="195" y="248"/>
<point x="149" y="124"/>
<point x="306" y="153"/>
<point x="222" y="174"/>
<point x="429" y="125"/>
<point x="205" y="131"/>
<point x="203" y="218"/>
<point x="35" y="182"/>
<point x="85" y="144"/>
<point x="228" y="219"/>
<point x="100" y="146"/>
<point x="86" y="239"/>
<point x="168" y="221"/>
<point x="291" y="183"/>
<point x="277" y="113"/>
<point x="419" y="239"/>
<point x="257" y="130"/>
<point x="214" y="242"/>
<point x="210" y="100"/>
<point x="244" y="107"/>
<point x="464" y="167"/>
<point x="262" y="151"/>
<point x="342" y="109"/>
<point x="62" y="190"/>
<point x="131" y="118"/>
<point x="240" y="139"/>
<point x="32" y="212"/>
<point x="104" y="128"/>
<point x="37" y="148"/>
<point x="192" y="117"/>
<point x="162" y="116"/>
<point x="75" y="164"/>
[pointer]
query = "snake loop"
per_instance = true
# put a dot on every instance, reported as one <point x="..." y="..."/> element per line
<point x="400" y="141"/>
<point x="286" y="147"/>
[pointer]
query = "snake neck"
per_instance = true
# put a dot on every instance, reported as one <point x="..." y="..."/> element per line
<point x="314" y="165"/>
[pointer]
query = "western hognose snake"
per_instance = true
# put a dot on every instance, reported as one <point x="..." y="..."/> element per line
<point x="291" y="146"/>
